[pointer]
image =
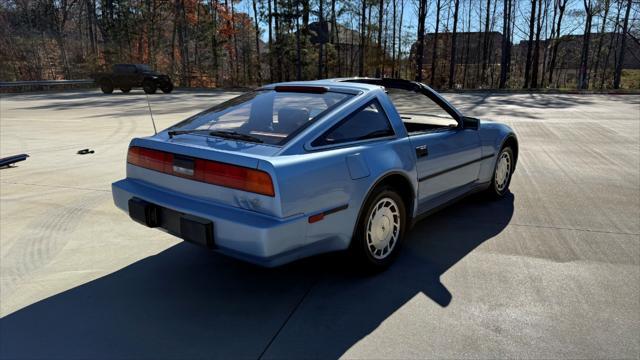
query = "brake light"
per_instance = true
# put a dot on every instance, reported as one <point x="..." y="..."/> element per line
<point x="150" y="159"/>
<point x="212" y="172"/>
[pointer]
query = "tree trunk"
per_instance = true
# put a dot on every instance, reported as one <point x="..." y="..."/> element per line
<point x="556" y="42"/>
<point x="393" y="39"/>
<point x="420" y="36"/>
<point x="434" y="52"/>
<point x="257" y="26"/>
<point x="600" y="40"/>
<point x="505" y="59"/>
<point x="532" y="21"/>
<point x="485" y="44"/>
<point x="335" y="37"/>
<point x="610" y="47"/>
<point x="321" y="44"/>
<point x="452" y="65"/>
<point x="298" y="46"/>
<point x="381" y="50"/>
<point x="399" y="53"/>
<point x="536" y="48"/>
<point x="466" y="46"/>
<point x="363" y="24"/>
<point x="583" y="78"/>
<point x="618" y="73"/>
<point x="269" y="30"/>
<point x="278" y="46"/>
<point x="234" y="37"/>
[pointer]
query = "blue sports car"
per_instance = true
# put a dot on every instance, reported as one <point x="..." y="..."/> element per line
<point x="300" y="168"/>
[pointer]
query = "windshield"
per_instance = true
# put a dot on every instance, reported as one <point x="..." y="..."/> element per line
<point x="270" y="116"/>
<point x="144" y="67"/>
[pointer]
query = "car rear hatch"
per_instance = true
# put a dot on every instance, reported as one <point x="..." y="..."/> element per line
<point x="221" y="171"/>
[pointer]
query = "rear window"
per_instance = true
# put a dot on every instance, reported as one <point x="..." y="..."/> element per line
<point x="271" y="116"/>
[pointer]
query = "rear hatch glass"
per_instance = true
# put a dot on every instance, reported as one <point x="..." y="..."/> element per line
<point x="263" y="116"/>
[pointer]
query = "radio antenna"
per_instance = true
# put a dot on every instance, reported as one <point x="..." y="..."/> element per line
<point x="151" y="113"/>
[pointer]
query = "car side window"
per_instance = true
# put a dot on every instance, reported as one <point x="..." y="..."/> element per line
<point x="418" y="112"/>
<point x="369" y="122"/>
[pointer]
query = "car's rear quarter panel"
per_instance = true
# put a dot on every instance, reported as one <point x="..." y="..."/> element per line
<point x="331" y="178"/>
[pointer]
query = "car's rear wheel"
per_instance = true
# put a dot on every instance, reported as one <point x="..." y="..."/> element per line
<point x="149" y="87"/>
<point x="125" y="89"/>
<point x="380" y="229"/>
<point x="166" y="87"/>
<point x="502" y="173"/>
<point x="106" y="86"/>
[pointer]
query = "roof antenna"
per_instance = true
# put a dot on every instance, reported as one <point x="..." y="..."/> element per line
<point x="151" y="113"/>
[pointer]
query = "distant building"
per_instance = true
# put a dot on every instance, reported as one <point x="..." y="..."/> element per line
<point x="470" y="50"/>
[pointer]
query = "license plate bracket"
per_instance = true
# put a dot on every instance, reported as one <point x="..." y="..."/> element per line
<point x="197" y="230"/>
<point x="144" y="212"/>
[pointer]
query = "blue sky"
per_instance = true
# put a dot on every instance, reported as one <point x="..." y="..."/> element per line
<point x="571" y="24"/>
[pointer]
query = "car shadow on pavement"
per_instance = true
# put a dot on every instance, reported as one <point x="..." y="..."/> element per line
<point x="188" y="303"/>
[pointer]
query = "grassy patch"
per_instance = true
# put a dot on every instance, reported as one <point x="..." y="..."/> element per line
<point x="630" y="79"/>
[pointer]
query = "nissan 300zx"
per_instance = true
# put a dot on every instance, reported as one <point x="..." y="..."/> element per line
<point x="295" y="169"/>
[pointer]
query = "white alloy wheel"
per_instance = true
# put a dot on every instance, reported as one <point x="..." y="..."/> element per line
<point x="383" y="228"/>
<point x="503" y="171"/>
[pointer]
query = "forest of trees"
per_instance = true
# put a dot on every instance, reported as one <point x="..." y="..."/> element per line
<point x="585" y="44"/>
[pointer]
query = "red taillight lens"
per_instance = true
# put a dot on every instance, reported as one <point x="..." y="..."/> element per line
<point x="232" y="176"/>
<point x="212" y="172"/>
<point x="150" y="159"/>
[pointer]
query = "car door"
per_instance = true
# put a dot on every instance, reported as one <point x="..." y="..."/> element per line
<point x="119" y="72"/>
<point x="447" y="152"/>
<point x="447" y="163"/>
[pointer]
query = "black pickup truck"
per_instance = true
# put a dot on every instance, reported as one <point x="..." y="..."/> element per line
<point x="127" y="76"/>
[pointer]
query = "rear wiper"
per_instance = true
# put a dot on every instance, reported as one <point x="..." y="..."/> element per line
<point x="219" y="133"/>
<point x="234" y="135"/>
<point x="173" y="133"/>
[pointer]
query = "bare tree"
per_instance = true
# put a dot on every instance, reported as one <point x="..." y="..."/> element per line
<point x="606" y="4"/>
<point x="321" y="38"/>
<point x="561" y="5"/>
<point x="381" y="51"/>
<point x="257" y="26"/>
<point x="393" y="38"/>
<point x="400" y="35"/>
<point x="363" y="25"/>
<point x="535" y="64"/>
<point x="505" y="60"/>
<point x="434" y="52"/>
<point x="452" y="65"/>
<point x="622" y="48"/>
<point x="422" y="16"/>
<point x="532" y="21"/>
<point x="612" y="39"/>
<point x="583" y="77"/>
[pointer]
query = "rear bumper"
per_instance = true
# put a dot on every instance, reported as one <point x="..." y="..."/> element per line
<point x="243" y="234"/>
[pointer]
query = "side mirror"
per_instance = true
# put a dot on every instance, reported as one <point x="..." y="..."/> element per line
<point x="470" y="123"/>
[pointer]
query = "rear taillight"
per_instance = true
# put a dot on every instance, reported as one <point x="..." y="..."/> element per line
<point x="212" y="172"/>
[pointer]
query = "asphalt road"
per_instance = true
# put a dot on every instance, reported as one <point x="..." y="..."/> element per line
<point x="552" y="271"/>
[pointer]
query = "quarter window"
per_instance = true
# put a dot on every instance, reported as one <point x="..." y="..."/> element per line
<point x="370" y="122"/>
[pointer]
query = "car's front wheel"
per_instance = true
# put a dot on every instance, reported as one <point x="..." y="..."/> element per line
<point x="380" y="229"/>
<point x="502" y="173"/>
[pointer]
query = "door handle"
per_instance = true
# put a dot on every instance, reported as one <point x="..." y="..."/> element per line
<point x="422" y="151"/>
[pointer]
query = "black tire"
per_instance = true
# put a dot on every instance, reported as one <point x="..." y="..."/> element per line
<point x="149" y="87"/>
<point x="125" y="89"/>
<point x="106" y="86"/>
<point x="166" y="87"/>
<point x="368" y="245"/>
<point x="501" y="178"/>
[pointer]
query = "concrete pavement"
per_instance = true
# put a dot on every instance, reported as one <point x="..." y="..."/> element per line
<point x="551" y="271"/>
